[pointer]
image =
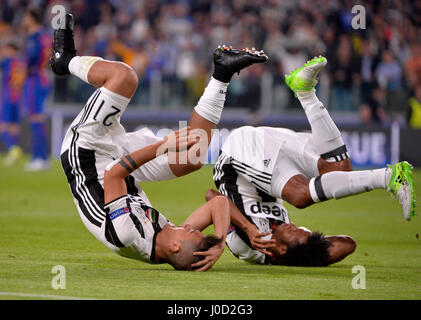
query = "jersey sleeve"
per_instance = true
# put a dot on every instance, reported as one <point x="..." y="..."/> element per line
<point x="121" y="225"/>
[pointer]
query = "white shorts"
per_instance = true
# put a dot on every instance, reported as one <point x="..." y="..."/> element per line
<point x="274" y="154"/>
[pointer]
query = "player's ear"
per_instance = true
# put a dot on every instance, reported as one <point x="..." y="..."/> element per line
<point x="280" y="248"/>
<point x="175" y="246"/>
<point x="283" y="248"/>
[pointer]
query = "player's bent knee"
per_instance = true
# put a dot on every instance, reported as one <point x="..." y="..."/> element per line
<point x="221" y="200"/>
<point x="303" y="203"/>
<point x="325" y="166"/>
<point x="124" y="77"/>
<point x="302" y="199"/>
<point x="297" y="193"/>
<point x="129" y="76"/>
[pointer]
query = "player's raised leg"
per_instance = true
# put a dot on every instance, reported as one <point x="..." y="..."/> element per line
<point x="207" y="112"/>
<point x="96" y="136"/>
<point x="114" y="76"/>
<point x="116" y="81"/>
<point x="327" y="139"/>
<point x="397" y="179"/>
<point x="325" y="135"/>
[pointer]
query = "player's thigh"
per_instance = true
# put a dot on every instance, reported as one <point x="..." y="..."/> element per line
<point x="321" y="166"/>
<point x="295" y="155"/>
<point x="325" y="166"/>
<point x="297" y="192"/>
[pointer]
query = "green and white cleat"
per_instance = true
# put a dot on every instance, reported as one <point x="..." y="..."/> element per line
<point x="401" y="187"/>
<point x="305" y="78"/>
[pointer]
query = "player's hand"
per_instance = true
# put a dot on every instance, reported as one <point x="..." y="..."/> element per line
<point x="178" y="141"/>
<point x="258" y="243"/>
<point x="211" y="256"/>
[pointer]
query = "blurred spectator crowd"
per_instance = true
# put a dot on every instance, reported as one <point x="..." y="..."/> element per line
<point x="373" y="71"/>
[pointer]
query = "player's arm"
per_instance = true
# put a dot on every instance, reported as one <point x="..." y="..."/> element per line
<point x="214" y="212"/>
<point x="341" y="247"/>
<point x="202" y="128"/>
<point x="114" y="183"/>
<point x="239" y="220"/>
<point x="115" y="190"/>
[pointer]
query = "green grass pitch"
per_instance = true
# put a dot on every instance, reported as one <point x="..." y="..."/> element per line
<point x="40" y="228"/>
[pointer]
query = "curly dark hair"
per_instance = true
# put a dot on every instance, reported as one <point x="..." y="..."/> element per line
<point x="183" y="259"/>
<point x="313" y="253"/>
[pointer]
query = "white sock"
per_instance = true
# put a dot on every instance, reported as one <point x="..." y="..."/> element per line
<point x="211" y="103"/>
<point x="339" y="184"/>
<point x="79" y="66"/>
<point x="325" y="134"/>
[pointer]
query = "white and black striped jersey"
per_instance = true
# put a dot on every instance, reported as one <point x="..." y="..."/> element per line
<point x="95" y="139"/>
<point x="246" y="171"/>
<point x="257" y="162"/>
<point x="133" y="227"/>
<point x="252" y="169"/>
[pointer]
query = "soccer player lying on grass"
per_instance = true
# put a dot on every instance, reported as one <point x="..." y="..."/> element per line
<point x="260" y="167"/>
<point x="103" y="164"/>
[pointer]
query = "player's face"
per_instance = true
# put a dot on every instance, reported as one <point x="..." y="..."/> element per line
<point x="27" y="21"/>
<point x="290" y="234"/>
<point x="186" y="232"/>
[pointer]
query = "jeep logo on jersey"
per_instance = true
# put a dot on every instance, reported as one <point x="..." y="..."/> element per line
<point x="268" y="209"/>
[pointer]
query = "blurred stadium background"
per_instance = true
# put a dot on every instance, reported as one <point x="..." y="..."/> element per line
<point x="372" y="84"/>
